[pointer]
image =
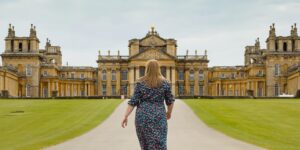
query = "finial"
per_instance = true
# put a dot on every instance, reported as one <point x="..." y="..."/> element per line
<point x="295" y="25"/>
<point x="292" y="27"/>
<point x="99" y="52"/>
<point x="9" y="25"/>
<point x="34" y="27"/>
<point x="118" y="52"/>
<point x="195" y="52"/>
<point x="47" y="40"/>
<point x="205" y="52"/>
<point x="31" y="26"/>
<point x="108" y="52"/>
<point x="152" y="28"/>
<point x="187" y="52"/>
<point x="13" y="27"/>
<point x="273" y="25"/>
<point x="67" y="64"/>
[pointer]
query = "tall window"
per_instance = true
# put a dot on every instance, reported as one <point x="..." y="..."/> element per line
<point x="181" y="89"/>
<point x="72" y="75"/>
<point x="28" y="90"/>
<point x="277" y="70"/>
<point x="82" y="76"/>
<point x="113" y="75"/>
<point x="201" y="75"/>
<point x="103" y="89"/>
<point x="28" y="70"/>
<point x="163" y="71"/>
<point x="191" y="89"/>
<point x="142" y="71"/>
<point x="201" y="90"/>
<point x="20" y="47"/>
<point x="104" y="75"/>
<point x="124" y="90"/>
<point x="232" y="75"/>
<point x="45" y="73"/>
<point x="285" y="46"/>
<point x="276" y="89"/>
<point x="113" y="89"/>
<point x="181" y="74"/>
<point x="124" y="74"/>
<point x="191" y="75"/>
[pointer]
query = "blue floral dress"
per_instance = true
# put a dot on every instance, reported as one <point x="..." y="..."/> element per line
<point x="150" y="118"/>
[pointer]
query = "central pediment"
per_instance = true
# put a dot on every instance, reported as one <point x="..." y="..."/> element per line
<point x="152" y="41"/>
<point x="152" y="54"/>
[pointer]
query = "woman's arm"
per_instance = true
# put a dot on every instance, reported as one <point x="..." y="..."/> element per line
<point x="127" y="113"/>
<point x="169" y="111"/>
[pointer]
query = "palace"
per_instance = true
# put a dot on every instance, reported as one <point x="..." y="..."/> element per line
<point x="29" y="71"/>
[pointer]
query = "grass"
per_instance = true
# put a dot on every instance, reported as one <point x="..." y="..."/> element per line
<point x="272" y="124"/>
<point x="35" y="124"/>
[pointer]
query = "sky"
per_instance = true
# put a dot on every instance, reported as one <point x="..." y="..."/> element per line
<point x="82" y="27"/>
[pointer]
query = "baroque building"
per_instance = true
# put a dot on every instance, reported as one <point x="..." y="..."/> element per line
<point x="29" y="71"/>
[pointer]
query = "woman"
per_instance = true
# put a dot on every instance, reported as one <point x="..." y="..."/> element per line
<point x="149" y="95"/>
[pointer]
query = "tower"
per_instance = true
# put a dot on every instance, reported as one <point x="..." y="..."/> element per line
<point x="22" y="54"/>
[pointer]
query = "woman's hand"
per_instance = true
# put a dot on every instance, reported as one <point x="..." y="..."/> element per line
<point x="124" y="122"/>
<point x="168" y="115"/>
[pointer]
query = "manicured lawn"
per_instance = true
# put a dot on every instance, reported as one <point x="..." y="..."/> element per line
<point x="35" y="124"/>
<point x="272" y="124"/>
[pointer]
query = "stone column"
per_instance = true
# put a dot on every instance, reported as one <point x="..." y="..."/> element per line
<point x="131" y="80"/>
<point x="118" y="78"/>
<point x="168" y="73"/>
<point x="173" y="80"/>
<point x="137" y="72"/>
<point x="196" y="83"/>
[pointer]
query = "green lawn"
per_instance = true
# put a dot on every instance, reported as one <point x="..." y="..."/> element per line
<point x="272" y="124"/>
<point x="35" y="124"/>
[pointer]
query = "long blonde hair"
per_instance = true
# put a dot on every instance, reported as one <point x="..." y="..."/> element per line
<point x="153" y="77"/>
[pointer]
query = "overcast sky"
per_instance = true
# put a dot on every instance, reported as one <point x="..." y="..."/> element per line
<point x="82" y="27"/>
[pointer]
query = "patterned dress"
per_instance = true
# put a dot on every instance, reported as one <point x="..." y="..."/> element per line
<point x="150" y="118"/>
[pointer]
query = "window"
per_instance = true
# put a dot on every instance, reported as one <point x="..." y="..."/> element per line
<point x="181" y="75"/>
<point x="28" y="70"/>
<point x="28" y="90"/>
<point x="181" y="89"/>
<point x="285" y="46"/>
<point x="236" y="92"/>
<point x="163" y="71"/>
<point x="103" y="89"/>
<point x="232" y="75"/>
<point x="72" y="75"/>
<point x="74" y="90"/>
<point x="45" y="73"/>
<point x="201" y="75"/>
<point x="201" y="90"/>
<point x="124" y="90"/>
<point x="82" y="76"/>
<point x="124" y="74"/>
<point x="20" y="47"/>
<point x="276" y="46"/>
<point x="113" y="75"/>
<point x="104" y="75"/>
<point x="63" y="75"/>
<point x="222" y="75"/>
<point x="191" y="75"/>
<point x="142" y="71"/>
<point x="113" y="89"/>
<point x="276" y="89"/>
<point x="277" y="70"/>
<point x="191" y="89"/>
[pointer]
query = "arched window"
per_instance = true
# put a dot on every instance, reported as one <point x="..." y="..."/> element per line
<point x="104" y="75"/>
<point x="28" y="70"/>
<point x="113" y="75"/>
<point x="201" y="75"/>
<point x="181" y="89"/>
<point x="191" y="75"/>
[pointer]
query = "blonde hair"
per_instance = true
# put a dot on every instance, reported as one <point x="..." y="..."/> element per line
<point x="153" y="77"/>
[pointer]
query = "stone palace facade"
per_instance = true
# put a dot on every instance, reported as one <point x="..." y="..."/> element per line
<point x="29" y="71"/>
